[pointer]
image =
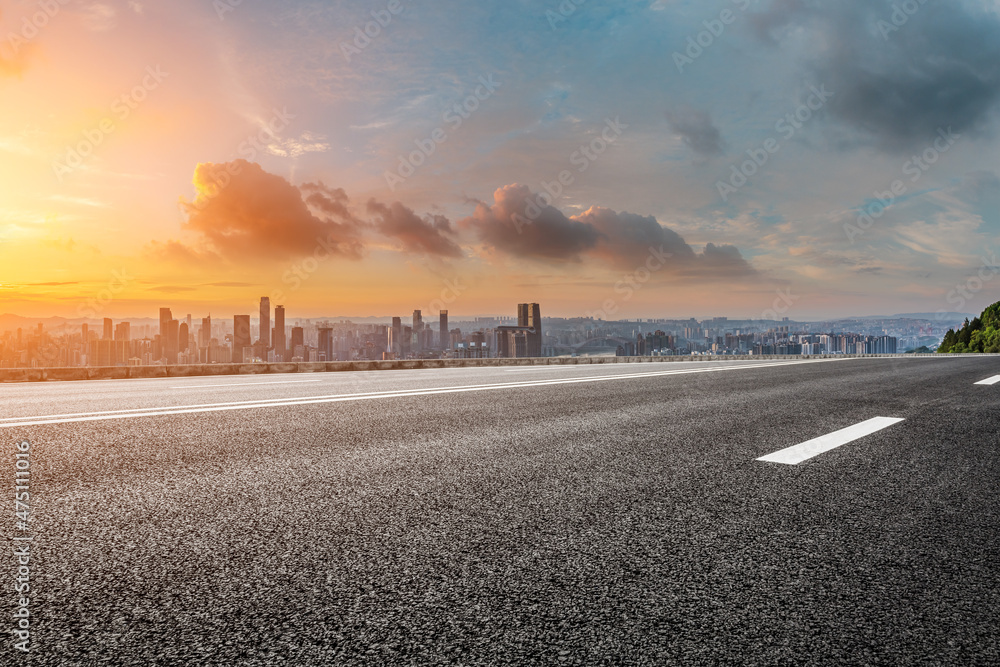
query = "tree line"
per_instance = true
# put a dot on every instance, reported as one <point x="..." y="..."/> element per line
<point x="982" y="334"/>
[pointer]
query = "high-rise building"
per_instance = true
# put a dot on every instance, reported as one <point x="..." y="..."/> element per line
<point x="241" y="338"/>
<point x="298" y="343"/>
<point x="529" y="315"/>
<point x="279" y="333"/>
<point x="183" y="337"/>
<point x="108" y="329"/>
<point x="396" y="337"/>
<point x="205" y="335"/>
<point x="170" y="341"/>
<point x="443" y="332"/>
<point x="123" y="331"/>
<point x="418" y="320"/>
<point x="326" y="344"/>
<point x="165" y="317"/>
<point x="265" y="323"/>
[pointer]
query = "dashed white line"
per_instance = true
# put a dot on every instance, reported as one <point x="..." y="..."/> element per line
<point x="989" y="382"/>
<point x="812" y="448"/>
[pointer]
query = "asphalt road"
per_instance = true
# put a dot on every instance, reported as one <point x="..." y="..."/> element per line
<point x="553" y="515"/>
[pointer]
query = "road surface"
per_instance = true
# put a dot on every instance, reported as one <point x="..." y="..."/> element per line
<point x="819" y="512"/>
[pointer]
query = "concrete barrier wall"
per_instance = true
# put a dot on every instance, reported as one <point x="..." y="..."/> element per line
<point x="143" y="372"/>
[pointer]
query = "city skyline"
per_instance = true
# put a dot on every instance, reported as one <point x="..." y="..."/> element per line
<point x="241" y="339"/>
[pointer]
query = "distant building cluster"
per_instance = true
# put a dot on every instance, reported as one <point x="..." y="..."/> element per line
<point x="774" y="341"/>
<point x="268" y="338"/>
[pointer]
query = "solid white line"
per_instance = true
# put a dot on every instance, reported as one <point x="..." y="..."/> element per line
<point x="242" y="384"/>
<point x="989" y="382"/>
<point x="807" y="450"/>
<point x="310" y="400"/>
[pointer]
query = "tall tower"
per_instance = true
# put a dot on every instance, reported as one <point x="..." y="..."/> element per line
<point x="108" y="328"/>
<point x="396" y="336"/>
<point x="529" y="316"/>
<point x="279" y="333"/>
<point x="326" y="343"/>
<point x="170" y="341"/>
<point x="241" y="337"/>
<point x="265" y="324"/>
<point x="445" y="336"/>
<point x="418" y="320"/>
<point x="165" y="318"/>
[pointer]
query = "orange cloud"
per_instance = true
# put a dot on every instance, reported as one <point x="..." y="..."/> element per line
<point x="243" y="211"/>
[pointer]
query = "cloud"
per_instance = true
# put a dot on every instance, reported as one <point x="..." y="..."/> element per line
<point x="243" y="212"/>
<point x="307" y="142"/>
<point x="516" y="225"/>
<point x="331" y="202"/>
<point x="619" y="240"/>
<point x="696" y="130"/>
<point x="100" y="17"/>
<point x="897" y="83"/>
<point x="428" y="235"/>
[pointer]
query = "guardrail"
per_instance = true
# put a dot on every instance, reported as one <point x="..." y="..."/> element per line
<point x="177" y="371"/>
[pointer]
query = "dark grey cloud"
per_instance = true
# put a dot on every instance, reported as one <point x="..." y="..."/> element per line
<point x="517" y="226"/>
<point x="430" y="235"/>
<point x="696" y="130"/>
<point x="897" y="78"/>
<point x="331" y="202"/>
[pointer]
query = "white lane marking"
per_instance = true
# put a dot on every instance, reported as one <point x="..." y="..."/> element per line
<point x="243" y="384"/>
<point x="618" y="366"/>
<point x="339" y="398"/>
<point x="807" y="450"/>
<point x="266" y="402"/>
<point x="989" y="382"/>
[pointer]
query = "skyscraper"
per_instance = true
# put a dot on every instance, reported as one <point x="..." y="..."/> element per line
<point x="165" y="317"/>
<point x="418" y="320"/>
<point x="241" y="337"/>
<point x="445" y="336"/>
<point x="265" y="324"/>
<point x="396" y="337"/>
<point x="279" y="333"/>
<point x="298" y="343"/>
<point x="529" y="316"/>
<point x="108" y="329"/>
<point x="170" y="341"/>
<point x="205" y="338"/>
<point x="326" y="344"/>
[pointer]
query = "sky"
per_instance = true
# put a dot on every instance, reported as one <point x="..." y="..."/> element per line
<point x="651" y="158"/>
